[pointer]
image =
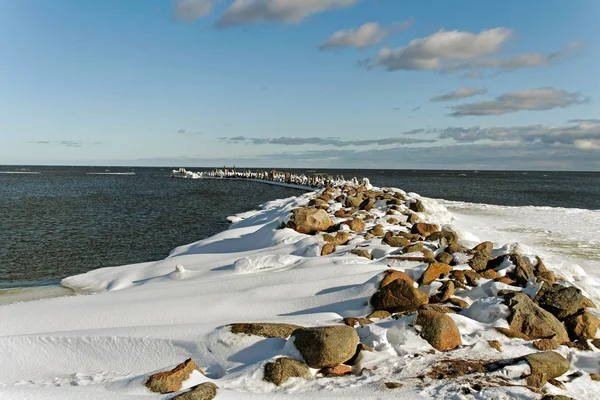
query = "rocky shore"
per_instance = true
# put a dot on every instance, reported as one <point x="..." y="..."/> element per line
<point x="435" y="290"/>
<point x="348" y="291"/>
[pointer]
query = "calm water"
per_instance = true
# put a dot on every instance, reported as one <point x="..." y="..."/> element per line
<point x="68" y="220"/>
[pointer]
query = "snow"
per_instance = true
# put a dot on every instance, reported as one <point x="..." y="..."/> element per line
<point x="125" y="323"/>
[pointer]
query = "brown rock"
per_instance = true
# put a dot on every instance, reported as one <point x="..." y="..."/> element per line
<point x="377" y="230"/>
<point x="479" y="261"/>
<point x="458" y="302"/>
<point x="265" y="329"/>
<point x="548" y="365"/>
<point x="369" y="236"/>
<point x="582" y="325"/>
<point x="547" y="276"/>
<point x="424" y="229"/>
<point x="416" y="206"/>
<point x="468" y="277"/>
<point x="561" y="301"/>
<point x="595" y="377"/>
<point x="357" y="225"/>
<point x="428" y="254"/>
<point x="309" y="220"/>
<point x="489" y="274"/>
<point x="523" y="271"/>
<point x="434" y="271"/>
<point x="326" y="346"/>
<point x="546" y="344"/>
<point x="366" y="205"/>
<point x="596" y="342"/>
<point x="398" y="296"/>
<point x="338" y="370"/>
<point x="494" y="344"/>
<point x="394" y="241"/>
<point x="392" y="221"/>
<point x="444" y="293"/>
<point x="392" y="275"/>
<point x="445" y="258"/>
<point x="392" y="385"/>
<point x="203" y="391"/>
<point x="362" y="253"/>
<point x="505" y="279"/>
<point x="410" y="236"/>
<point x="511" y="333"/>
<point x="170" y="381"/>
<point x="455" y="248"/>
<point x="343" y="213"/>
<point x="284" y="368"/>
<point x="327" y="249"/>
<point x="413" y="248"/>
<point x="319" y="203"/>
<point x="539" y="268"/>
<point x="535" y="322"/>
<point x="437" y="308"/>
<point x="359" y="348"/>
<point x="354" y="201"/>
<point x="557" y="383"/>
<point x="351" y="321"/>
<point x="485" y="248"/>
<point x="579" y="344"/>
<point x="445" y="236"/>
<point x="339" y="239"/>
<point x="439" y="330"/>
<point x="379" y="314"/>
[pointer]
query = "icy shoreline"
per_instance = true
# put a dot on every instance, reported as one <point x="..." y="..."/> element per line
<point x="149" y="317"/>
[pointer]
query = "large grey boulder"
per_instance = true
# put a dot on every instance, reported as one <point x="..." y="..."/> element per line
<point x="284" y="368"/>
<point x="309" y="220"/>
<point x="203" y="391"/>
<point x="398" y="296"/>
<point x="326" y="346"/>
<point x="533" y="321"/>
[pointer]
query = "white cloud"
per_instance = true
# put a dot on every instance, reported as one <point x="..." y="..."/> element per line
<point x="432" y="52"/>
<point x="191" y="10"/>
<point x="460" y="93"/>
<point x="587" y="144"/>
<point x="329" y="141"/>
<point x="536" y="99"/>
<point x="364" y="36"/>
<point x="245" y="12"/>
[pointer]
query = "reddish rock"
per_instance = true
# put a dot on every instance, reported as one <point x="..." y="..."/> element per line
<point x="357" y="225"/>
<point x="513" y="334"/>
<point x="424" y="229"/>
<point x="338" y="370"/>
<point x="392" y="275"/>
<point x="398" y="296"/>
<point x="485" y="247"/>
<point x="533" y="321"/>
<point x="434" y="271"/>
<point x="505" y="279"/>
<point x="582" y="325"/>
<point x="170" y="381"/>
<point x="439" y="330"/>
<point x="489" y="274"/>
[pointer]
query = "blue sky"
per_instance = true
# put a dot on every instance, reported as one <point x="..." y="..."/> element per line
<point x="277" y="83"/>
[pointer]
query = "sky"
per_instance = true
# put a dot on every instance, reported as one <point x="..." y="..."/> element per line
<point x="383" y="84"/>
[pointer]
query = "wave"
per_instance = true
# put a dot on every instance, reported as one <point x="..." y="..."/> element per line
<point x="20" y="172"/>
<point x="110" y="173"/>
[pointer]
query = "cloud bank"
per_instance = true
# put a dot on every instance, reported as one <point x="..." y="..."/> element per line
<point x="367" y="35"/>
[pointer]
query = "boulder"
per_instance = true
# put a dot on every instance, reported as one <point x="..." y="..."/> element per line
<point x="395" y="241"/>
<point x="267" y="330"/>
<point x="479" y="261"/>
<point x="544" y="366"/>
<point x="284" y="368"/>
<point x="444" y="293"/>
<point x="366" y="205"/>
<point x="417" y="206"/>
<point x="398" y="296"/>
<point x="327" y="249"/>
<point x="561" y="301"/>
<point x="341" y="238"/>
<point x="410" y="236"/>
<point x="326" y="346"/>
<point x="170" y="381"/>
<point x="582" y="325"/>
<point x="362" y="253"/>
<point x="353" y="321"/>
<point x="523" y="271"/>
<point x="485" y="248"/>
<point x="458" y="302"/>
<point x="413" y="248"/>
<point x="424" y="229"/>
<point x="530" y="319"/>
<point x="392" y="275"/>
<point x="319" y="203"/>
<point x="445" y="258"/>
<point x="434" y="271"/>
<point x="455" y="248"/>
<point x="343" y="213"/>
<point x="546" y="344"/>
<point x="489" y="274"/>
<point x="438" y="329"/>
<point x="357" y="224"/>
<point x="309" y="220"/>
<point x="379" y="314"/>
<point x="203" y="391"/>
<point x="354" y="201"/>
<point x="377" y="230"/>
<point x="445" y="236"/>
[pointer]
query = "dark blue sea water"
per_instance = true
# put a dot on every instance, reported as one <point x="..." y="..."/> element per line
<point x="61" y="221"/>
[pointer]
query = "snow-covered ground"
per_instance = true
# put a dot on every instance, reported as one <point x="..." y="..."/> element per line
<point x="148" y="317"/>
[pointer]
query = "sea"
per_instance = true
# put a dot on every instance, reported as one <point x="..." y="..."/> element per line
<point x="58" y="221"/>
